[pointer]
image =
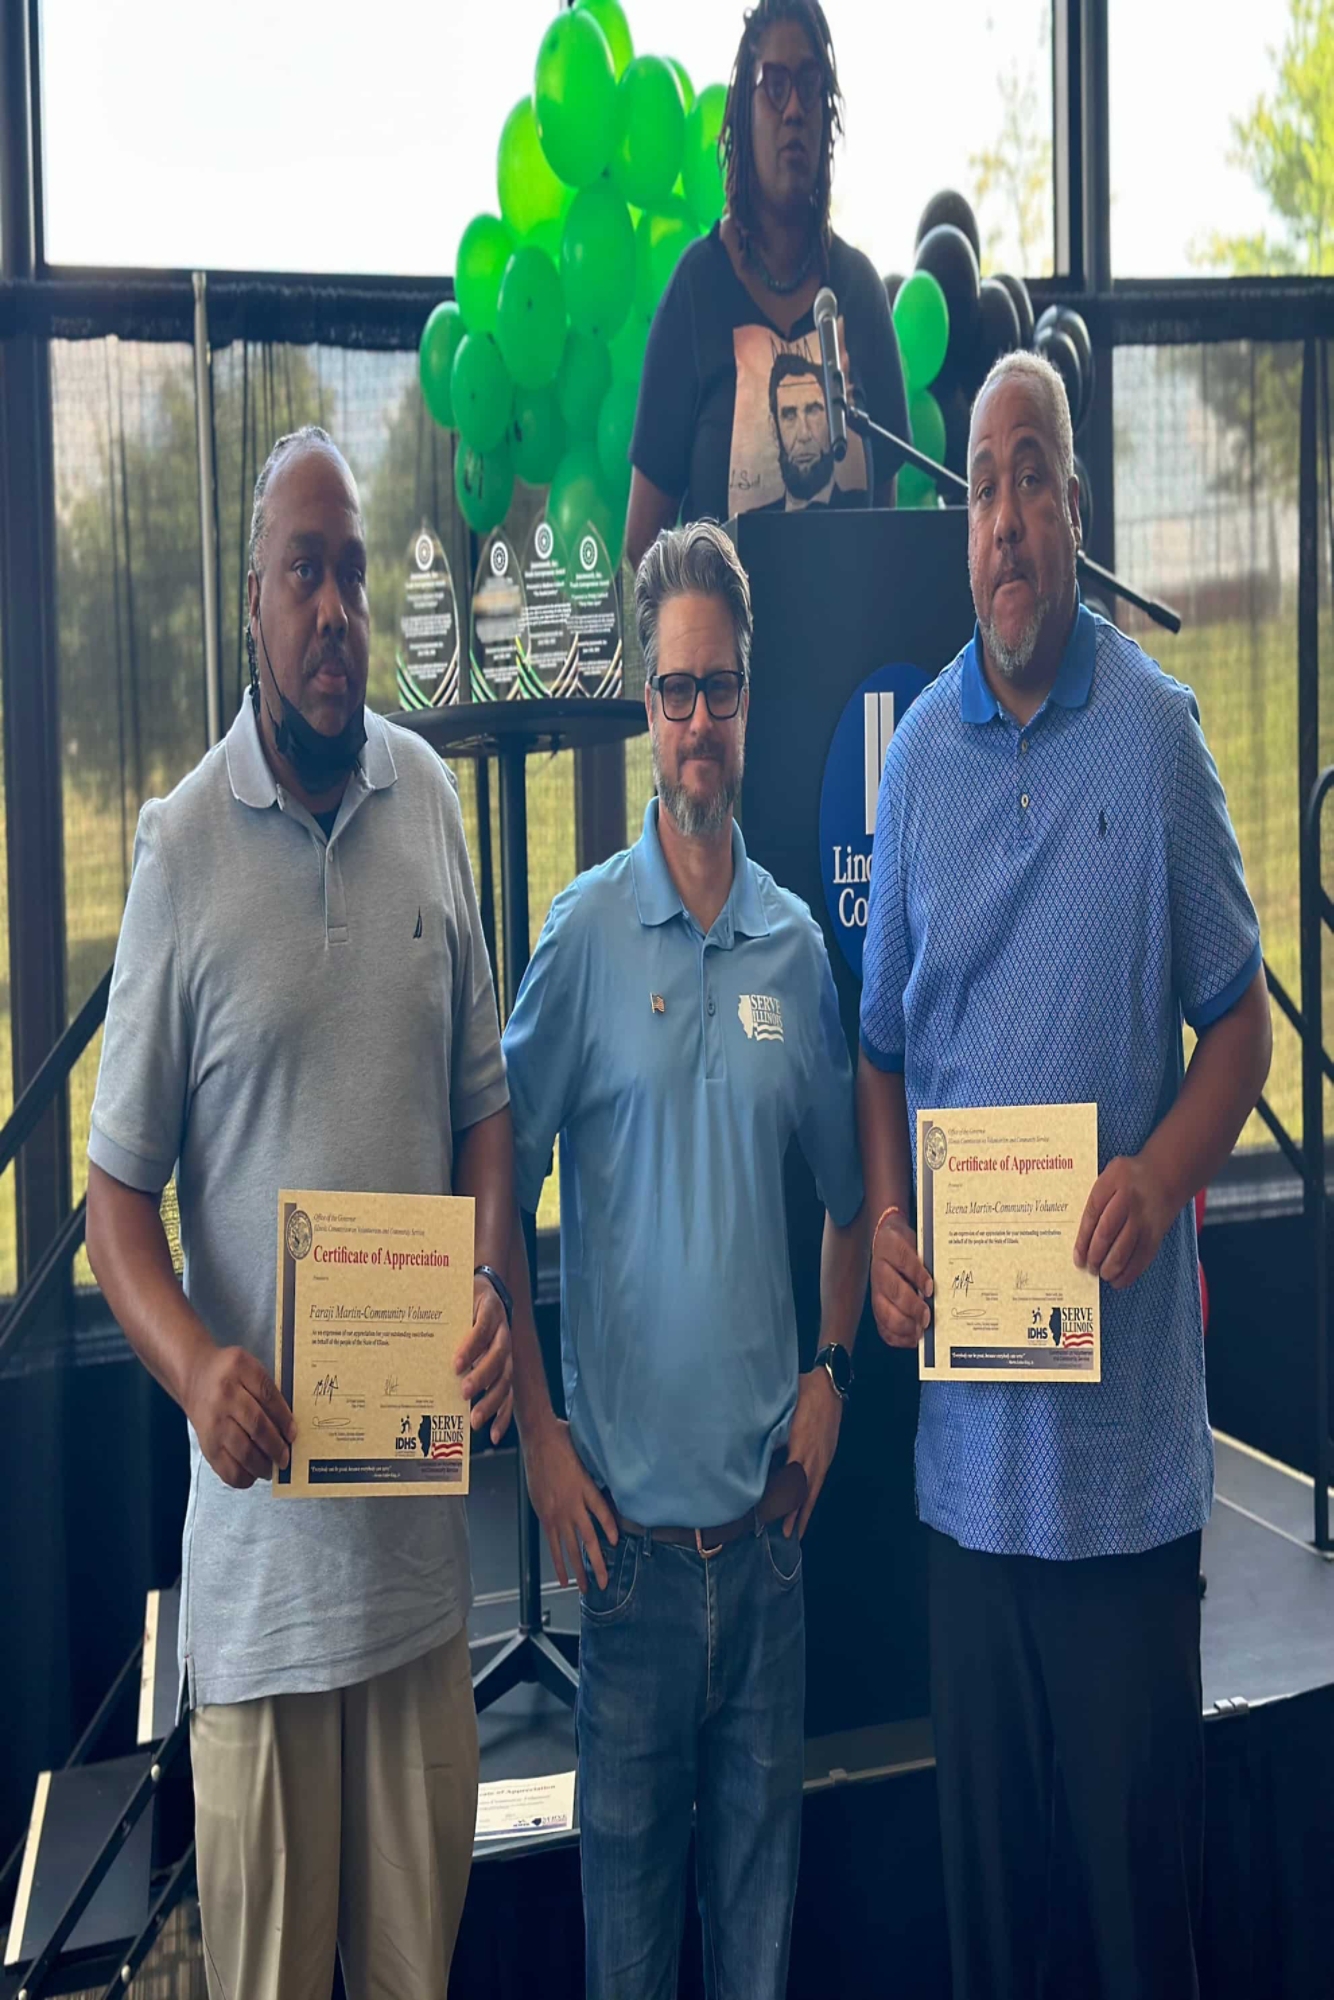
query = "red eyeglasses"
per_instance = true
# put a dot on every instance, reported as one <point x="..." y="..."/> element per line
<point x="777" y="82"/>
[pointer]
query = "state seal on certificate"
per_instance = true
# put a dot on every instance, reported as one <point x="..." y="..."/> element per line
<point x="374" y="1301"/>
<point x="1000" y="1195"/>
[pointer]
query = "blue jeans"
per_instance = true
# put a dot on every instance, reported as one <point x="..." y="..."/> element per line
<point x="692" y="1689"/>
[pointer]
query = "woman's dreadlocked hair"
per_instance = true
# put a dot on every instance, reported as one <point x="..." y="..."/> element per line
<point x="737" y="137"/>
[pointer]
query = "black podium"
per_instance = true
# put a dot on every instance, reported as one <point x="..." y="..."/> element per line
<point x="836" y="596"/>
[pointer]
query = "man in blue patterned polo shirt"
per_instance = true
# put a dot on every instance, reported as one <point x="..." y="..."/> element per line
<point x="1056" y="885"/>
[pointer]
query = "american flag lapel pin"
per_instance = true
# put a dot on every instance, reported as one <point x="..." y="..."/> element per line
<point x="658" y="1004"/>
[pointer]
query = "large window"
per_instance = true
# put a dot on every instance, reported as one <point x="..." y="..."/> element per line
<point x="954" y="95"/>
<point x="1208" y="138"/>
<point x="266" y="136"/>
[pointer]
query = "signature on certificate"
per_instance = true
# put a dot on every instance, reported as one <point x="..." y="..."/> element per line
<point x="326" y="1388"/>
<point x="962" y="1284"/>
<point x="391" y="1385"/>
<point x="1022" y="1280"/>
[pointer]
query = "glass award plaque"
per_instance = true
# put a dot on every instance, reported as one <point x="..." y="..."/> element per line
<point x="499" y="622"/>
<point x="597" y="616"/>
<point x="428" y="627"/>
<point x="551" y="660"/>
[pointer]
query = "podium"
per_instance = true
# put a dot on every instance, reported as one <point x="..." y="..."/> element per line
<point x="836" y="596"/>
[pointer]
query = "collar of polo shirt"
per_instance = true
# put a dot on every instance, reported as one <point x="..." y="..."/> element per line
<point x="658" y="900"/>
<point x="252" y="781"/>
<point x="1070" y="689"/>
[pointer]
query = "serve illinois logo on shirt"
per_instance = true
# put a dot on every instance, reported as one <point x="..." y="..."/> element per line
<point x="761" y="1016"/>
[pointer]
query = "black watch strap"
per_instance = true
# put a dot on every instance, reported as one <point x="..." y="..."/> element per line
<point x="837" y="1364"/>
<point x="498" y="1286"/>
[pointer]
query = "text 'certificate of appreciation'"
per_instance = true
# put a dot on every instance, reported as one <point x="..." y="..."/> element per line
<point x="374" y="1302"/>
<point x="1000" y="1196"/>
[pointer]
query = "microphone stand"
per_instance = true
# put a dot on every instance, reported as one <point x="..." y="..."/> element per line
<point x="1161" y="614"/>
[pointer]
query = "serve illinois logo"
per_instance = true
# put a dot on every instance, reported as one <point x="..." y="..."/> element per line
<point x="849" y="794"/>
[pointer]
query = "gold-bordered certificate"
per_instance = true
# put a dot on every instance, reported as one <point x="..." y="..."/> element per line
<point x="1000" y="1195"/>
<point x="374" y="1302"/>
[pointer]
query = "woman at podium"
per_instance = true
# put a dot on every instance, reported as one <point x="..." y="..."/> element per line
<point x="731" y="409"/>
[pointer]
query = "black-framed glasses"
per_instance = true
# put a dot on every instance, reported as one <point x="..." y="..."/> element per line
<point x="678" y="694"/>
<point x="777" y="82"/>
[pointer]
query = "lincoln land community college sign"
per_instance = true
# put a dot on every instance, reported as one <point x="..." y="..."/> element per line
<point x="849" y="795"/>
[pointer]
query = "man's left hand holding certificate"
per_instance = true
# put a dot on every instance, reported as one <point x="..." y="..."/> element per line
<point x="375" y="1300"/>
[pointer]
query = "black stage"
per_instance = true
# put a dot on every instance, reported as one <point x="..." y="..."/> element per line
<point x="869" y="1913"/>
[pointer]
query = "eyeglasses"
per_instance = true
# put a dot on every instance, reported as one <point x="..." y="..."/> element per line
<point x="678" y="694"/>
<point x="776" y="80"/>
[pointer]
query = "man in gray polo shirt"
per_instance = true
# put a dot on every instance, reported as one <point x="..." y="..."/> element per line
<point x="302" y="998"/>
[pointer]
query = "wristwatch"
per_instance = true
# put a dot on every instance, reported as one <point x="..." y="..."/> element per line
<point x="498" y="1286"/>
<point x="837" y="1365"/>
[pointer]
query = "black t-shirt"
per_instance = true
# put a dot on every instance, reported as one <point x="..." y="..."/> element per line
<point x="731" y="410"/>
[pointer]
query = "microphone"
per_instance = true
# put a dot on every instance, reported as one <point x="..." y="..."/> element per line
<point x="835" y="389"/>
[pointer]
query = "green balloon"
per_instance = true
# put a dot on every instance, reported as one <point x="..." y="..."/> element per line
<point x="610" y="17"/>
<point x="701" y="165"/>
<point x="529" y="191"/>
<point x="922" y="323"/>
<point x="915" y="489"/>
<point x="548" y="237"/>
<point x="538" y="434"/>
<point x="687" y="87"/>
<point x="576" y="500"/>
<point x="651" y="130"/>
<point x="627" y="347"/>
<point x="927" y="425"/>
<point x="616" y="422"/>
<point x="575" y="97"/>
<point x="484" y="250"/>
<point x="481" y="391"/>
<point x="660" y="238"/>
<point x="435" y="359"/>
<point x="597" y="260"/>
<point x="483" y="484"/>
<point x="530" y="318"/>
<point x="584" y="378"/>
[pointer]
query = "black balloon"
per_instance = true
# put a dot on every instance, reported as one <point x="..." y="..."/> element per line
<point x="956" y="407"/>
<point x="1023" y="305"/>
<point x="952" y="261"/>
<point x="998" y="325"/>
<point x="947" y="206"/>
<point x="1085" y="502"/>
<point x="892" y="281"/>
<point x="1056" y="346"/>
<point x="1064" y="319"/>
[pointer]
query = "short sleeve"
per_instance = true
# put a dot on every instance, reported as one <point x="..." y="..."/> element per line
<point x="143" y="1080"/>
<point x="1215" y="931"/>
<point x="543" y="1049"/>
<point x="886" y="953"/>
<point x="665" y="416"/>
<point x="875" y="353"/>
<point x="828" y="1129"/>
<point x="477" y="1087"/>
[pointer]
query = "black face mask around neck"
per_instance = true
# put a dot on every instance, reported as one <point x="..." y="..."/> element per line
<point x="318" y="760"/>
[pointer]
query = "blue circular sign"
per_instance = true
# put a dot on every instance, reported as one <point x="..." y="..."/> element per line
<point x="849" y="793"/>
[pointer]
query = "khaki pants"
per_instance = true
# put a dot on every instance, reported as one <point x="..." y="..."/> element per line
<point x="340" y="1818"/>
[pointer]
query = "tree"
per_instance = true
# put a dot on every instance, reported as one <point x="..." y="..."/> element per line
<point x="1287" y="146"/>
<point x="1014" y="173"/>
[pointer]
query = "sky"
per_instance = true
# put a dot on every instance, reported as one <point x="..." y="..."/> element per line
<point x="354" y="140"/>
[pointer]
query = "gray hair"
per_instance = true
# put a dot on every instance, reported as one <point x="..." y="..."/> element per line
<point x="308" y="435"/>
<point x="697" y="560"/>
<point x="1037" y="373"/>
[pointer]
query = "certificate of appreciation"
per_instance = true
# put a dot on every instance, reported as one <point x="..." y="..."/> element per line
<point x="1000" y="1196"/>
<point x="374" y="1302"/>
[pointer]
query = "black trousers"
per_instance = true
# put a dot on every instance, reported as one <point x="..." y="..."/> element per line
<point x="1066" y="1702"/>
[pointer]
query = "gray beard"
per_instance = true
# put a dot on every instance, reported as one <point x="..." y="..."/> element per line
<point x="1013" y="661"/>
<point x="692" y="819"/>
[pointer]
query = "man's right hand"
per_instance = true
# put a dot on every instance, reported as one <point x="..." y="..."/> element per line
<point x="900" y="1284"/>
<point x="567" y="1501"/>
<point x="243" y="1425"/>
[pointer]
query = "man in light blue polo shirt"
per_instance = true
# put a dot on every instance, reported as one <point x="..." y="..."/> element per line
<point x="1056" y="885"/>
<point x="677" y="1026"/>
